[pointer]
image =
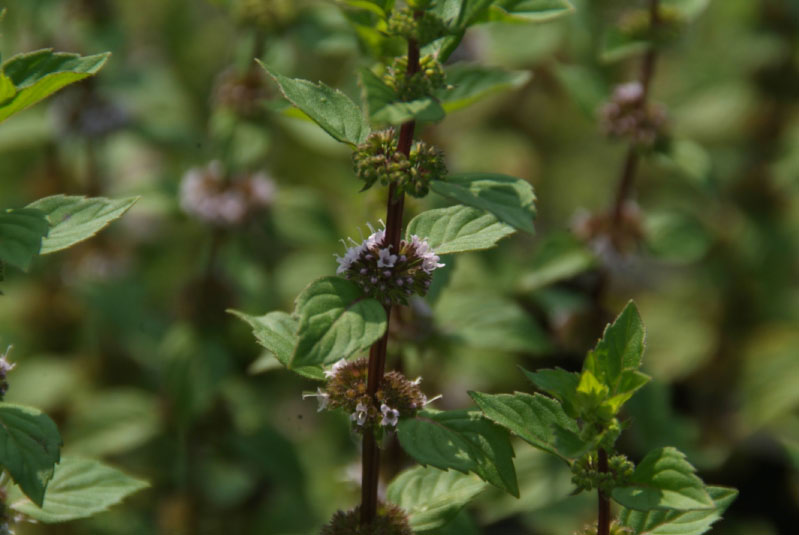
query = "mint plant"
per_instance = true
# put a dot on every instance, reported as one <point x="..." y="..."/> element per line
<point x="577" y="417"/>
<point x="37" y="483"/>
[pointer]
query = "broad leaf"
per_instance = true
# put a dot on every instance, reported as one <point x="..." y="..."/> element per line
<point x="329" y="108"/>
<point x="619" y="350"/>
<point x="529" y="10"/>
<point x="532" y="418"/>
<point x="21" y="233"/>
<point x="76" y="218"/>
<point x="80" y="488"/>
<point x="679" y="522"/>
<point x="559" y="257"/>
<point x="384" y="106"/>
<point x="664" y="480"/>
<point x="470" y="83"/>
<point x="463" y="441"/>
<point x="510" y="199"/>
<point x="30" y="446"/>
<point x="37" y="75"/>
<point x="558" y="383"/>
<point x="458" y="229"/>
<point x="335" y="321"/>
<point x="432" y="497"/>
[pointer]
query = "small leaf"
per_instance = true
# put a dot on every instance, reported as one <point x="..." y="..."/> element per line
<point x="529" y="10"/>
<point x="462" y="441"/>
<point x="510" y="199"/>
<point x="30" y="446"/>
<point x="37" y="75"/>
<point x="329" y="108"/>
<point x="679" y="522"/>
<point x="532" y="418"/>
<point x="80" y="488"/>
<point x="663" y="480"/>
<point x="21" y="233"/>
<point x="385" y="106"/>
<point x="335" y="321"/>
<point x="620" y="349"/>
<point x="458" y="229"/>
<point x="432" y="497"/>
<point x="76" y="218"/>
<point x="470" y="83"/>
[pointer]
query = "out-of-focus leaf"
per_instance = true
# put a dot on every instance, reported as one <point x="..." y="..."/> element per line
<point x="302" y="216"/>
<point x="76" y="218"/>
<point x="37" y="75"/>
<point x="471" y="83"/>
<point x="329" y="108"/>
<point x="463" y="441"/>
<point x="80" y="488"/>
<point x="335" y="321"/>
<point x="431" y="497"/>
<point x="30" y="446"/>
<point x="585" y="87"/>
<point x="509" y="198"/>
<point x="458" y="229"/>
<point x="664" y="480"/>
<point x="21" y="233"/>
<point x="679" y="522"/>
<point x="676" y="237"/>
<point x="527" y="11"/>
<point x="690" y="158"/>
<point x="560" y="256"/>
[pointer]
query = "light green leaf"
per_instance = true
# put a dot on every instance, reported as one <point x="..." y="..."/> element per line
<point x="529" y="10"/>
<point x="586" y="86"/>
<point x="76" y="218"/>
<point x="21" y="233"/>
<point x="80" y="488"/>
<point x="329" y="108"/>
<point x="533" y="418"/>
<point x="664" y="480"/>
<point x="509" y="198"/>
<point x="470" y="83"/>
<point x="620" y="349"/>
<point x="277" y="332"/>
<point x="36" y="75"/>
<point x="432" y="497"/>
<point x="335" y="321"/>
<point x="679" y="522"/>
<point x="30" y="446"/>
<point x="7" y="89"/>
<point x="463" y="441"/>
<point x="458" y="229"/>
<point x="384" y="106"/>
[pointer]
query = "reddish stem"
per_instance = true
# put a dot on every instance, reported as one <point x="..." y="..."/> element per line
<point x="603" y="516"/>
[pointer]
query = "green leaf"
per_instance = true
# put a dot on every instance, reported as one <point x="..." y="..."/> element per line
<point x="384" y="106"/>
<point x="21" y="233"/>
<point x="559" y="257"/>
<point x="560" y="384"/>
<point x="73" y="219"/>
<point x="619" y="350"/>
<point x="533" y="418"/>
<point x="277" y="332"/>
<point x="335" y="321"/>
<point x="679" y="522"/>
<point x="461" y="440"/>
<point x="664" y="480"/>
<point x="432" y="497"/>
<point x="510" y="199"/>
<point x="30" y="446"/>
<point x="36" y="75"/>
<point x="80" y="488"/>
<point x="7" y="89"/>
<point x="470" y="83"/>
<point x="458" y="229"/>
<point x="329" y="108"/>
<point x="529" y="10"/>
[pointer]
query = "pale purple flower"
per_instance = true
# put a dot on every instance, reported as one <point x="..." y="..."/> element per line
<point x="321" y="396"/>
<point x="360" y="414"/>
<point x="390" y="416"/>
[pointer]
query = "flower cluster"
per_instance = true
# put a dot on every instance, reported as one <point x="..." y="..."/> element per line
<point x="390" y="520"/>
<point x="637" y="24"/>
<point x="206" y="194"/>
<point x="264" y="13"/>
<point x="240" y="92"/>
<point x="420" y="84"/>
<point x="388" y="277"/>
<point x="346" y="387"/>
<point x="628" y="115"/>
<point x="423" y="29"/>
<point x="5" y="367"/>
<point x="377" y="159"/>
<point x="586" y="475"/>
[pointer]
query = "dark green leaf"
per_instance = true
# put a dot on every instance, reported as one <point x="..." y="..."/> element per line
<point x="560" y="384"/>
<point x="335" y="321"/>
<point x="463" y="441"/>
<point x="471" y="83"/>
<point x="679" y="522"/>
<point x="21" y="233"/>
<point x="458" y="229"/>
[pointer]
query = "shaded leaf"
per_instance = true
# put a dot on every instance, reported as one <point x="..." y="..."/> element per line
<point x="679" y="522"/>
<point x="529" y="10"/>
<point x="21" y="233"/>
<point x="470" y="83"/>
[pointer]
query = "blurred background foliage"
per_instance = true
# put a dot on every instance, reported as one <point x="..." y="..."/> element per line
<point x="125" y="342"/>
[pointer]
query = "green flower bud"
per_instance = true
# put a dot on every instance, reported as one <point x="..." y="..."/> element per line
<point x="423" y="29"/>
<point x="423" y="83"/>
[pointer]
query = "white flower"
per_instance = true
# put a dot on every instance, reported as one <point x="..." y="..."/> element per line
<point x="360" y="414"/>
<point x="423" y="251"/>
<point x="385" y="258"/>
<point x="322" y="397"/>
<point x="6" y="366"/>
<point x="629" y="92"/>
<point x="334" y="370"/>
<point x="344" y="262"/>
<point x="390" y="416"/>
<point x="262" y="189"/>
